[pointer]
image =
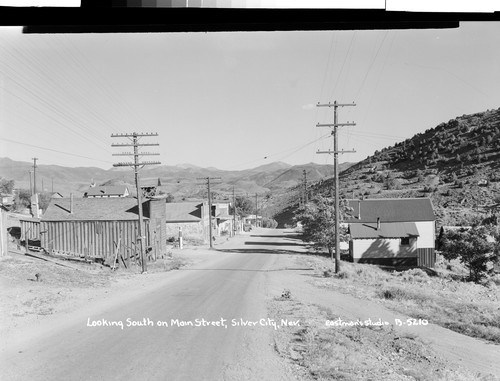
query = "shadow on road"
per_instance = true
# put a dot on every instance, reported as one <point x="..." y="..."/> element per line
<point x="259" y="271"/>
<point x="274" y="243"/>
<point x="287" y="236"/>
<point x="260" y="251"/>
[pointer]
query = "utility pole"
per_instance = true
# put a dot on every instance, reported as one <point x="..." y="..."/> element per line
<point x="209" y="206"/>
<point x="256" y="212"/>
<point x="34" y="174"/>
<point x="31" y="185"/>
<point x="234" y="213"/>
<point x="134" y="142"/>
<point x="336" y="152"/>
<point x="305" y="187"/>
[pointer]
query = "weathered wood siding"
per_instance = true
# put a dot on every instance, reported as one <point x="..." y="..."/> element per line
<point x="30" y="228"/>
<point x="95" y="239"/>
<point x="3" y="233"/>
<point x="426" y="257"/>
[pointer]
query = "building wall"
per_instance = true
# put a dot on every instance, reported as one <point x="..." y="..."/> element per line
<point x="95" y="239"/>
<point x="382" y="248"/>
<point x="190" y="230"/>
<point x="157" y="218"/>
<point x="3" y="233"/>
<point x="427" y="232"/>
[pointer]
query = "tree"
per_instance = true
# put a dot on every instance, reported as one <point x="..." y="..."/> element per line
<point x="318" y="222"/>
<point x="244" y="206"/>
<point x="473" y="249"/>
<point x="269" y="223"/>
<point x="6" y="186"/>
<point x="23" y="199"/>
<point x="44" y="199"/>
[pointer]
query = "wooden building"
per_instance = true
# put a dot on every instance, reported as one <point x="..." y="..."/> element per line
<point x="95" y="227"/>
<point x="392" y="231"/>
<point x="189" y="217"/>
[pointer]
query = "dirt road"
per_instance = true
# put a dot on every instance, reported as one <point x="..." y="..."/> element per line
<point x="208" y="321"/>
<point x="181" y="328"/>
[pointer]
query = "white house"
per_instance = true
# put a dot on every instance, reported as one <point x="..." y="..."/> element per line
<point x="392" y="231"/>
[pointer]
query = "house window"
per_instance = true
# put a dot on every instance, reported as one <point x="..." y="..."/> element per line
<point x="405" y="241"/>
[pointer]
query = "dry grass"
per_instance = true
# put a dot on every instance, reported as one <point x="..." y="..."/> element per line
<point x="467" y="308"/>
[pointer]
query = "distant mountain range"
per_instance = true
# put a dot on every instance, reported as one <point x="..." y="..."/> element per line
<point x="182" y="180"/>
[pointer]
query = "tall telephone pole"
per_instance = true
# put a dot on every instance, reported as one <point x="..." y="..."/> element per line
<point x="256" y="211"/>
<point x="134" y="142"/>
<point x="208" y="178"/>
<point x="34" y="174"/>
<point x="234" y="213"/>
<point x="336" y="152"/>
<point x="31" y="186"/>
<point x="305" y="186"/>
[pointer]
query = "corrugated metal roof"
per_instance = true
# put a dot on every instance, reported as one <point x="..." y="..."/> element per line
<point x="104" y="209"/>
<point x="392" y="210"/>
<point x="387" y="230"/>
<point x="183" y="211"/>
<point x="111" y="190"/>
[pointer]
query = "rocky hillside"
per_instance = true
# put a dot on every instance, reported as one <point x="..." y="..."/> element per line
<point x="456" y="164"/>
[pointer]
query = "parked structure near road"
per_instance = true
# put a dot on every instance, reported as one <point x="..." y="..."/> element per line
<point x="392" y="231"/>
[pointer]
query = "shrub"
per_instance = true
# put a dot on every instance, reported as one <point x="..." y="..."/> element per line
<point x="473" y="249"/>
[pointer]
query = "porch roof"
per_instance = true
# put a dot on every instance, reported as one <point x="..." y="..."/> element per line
<point x="387" y="230"/>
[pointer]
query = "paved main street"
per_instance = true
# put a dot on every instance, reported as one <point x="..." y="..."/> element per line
<point x="207" y="321"/>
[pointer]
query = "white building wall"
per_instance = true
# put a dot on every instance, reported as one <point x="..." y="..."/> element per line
<point x="427" y="232"/>
<point x="382" y="248"/>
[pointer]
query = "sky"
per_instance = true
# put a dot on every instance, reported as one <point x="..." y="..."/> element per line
<point x="237" y="100"/>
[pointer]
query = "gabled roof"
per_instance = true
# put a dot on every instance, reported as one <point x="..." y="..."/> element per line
<point x="184" y="211"/>
<point x="111" y="190"/>
<point x="388" y="230"/>
<point x="391" y="210"/>
<point x="103" y="209"/>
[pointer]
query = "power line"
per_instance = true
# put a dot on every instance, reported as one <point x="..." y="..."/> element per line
<point x="54" y="150"/>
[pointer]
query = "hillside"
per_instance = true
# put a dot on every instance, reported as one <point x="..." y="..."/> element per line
<point x="456" y="164"/>
<point x="182" y="181"/>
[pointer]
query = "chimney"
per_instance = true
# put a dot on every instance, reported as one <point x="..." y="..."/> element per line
<point x="378" y="223"/>
<point x="71" y="203"/>
<point x="359" y="209"/>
